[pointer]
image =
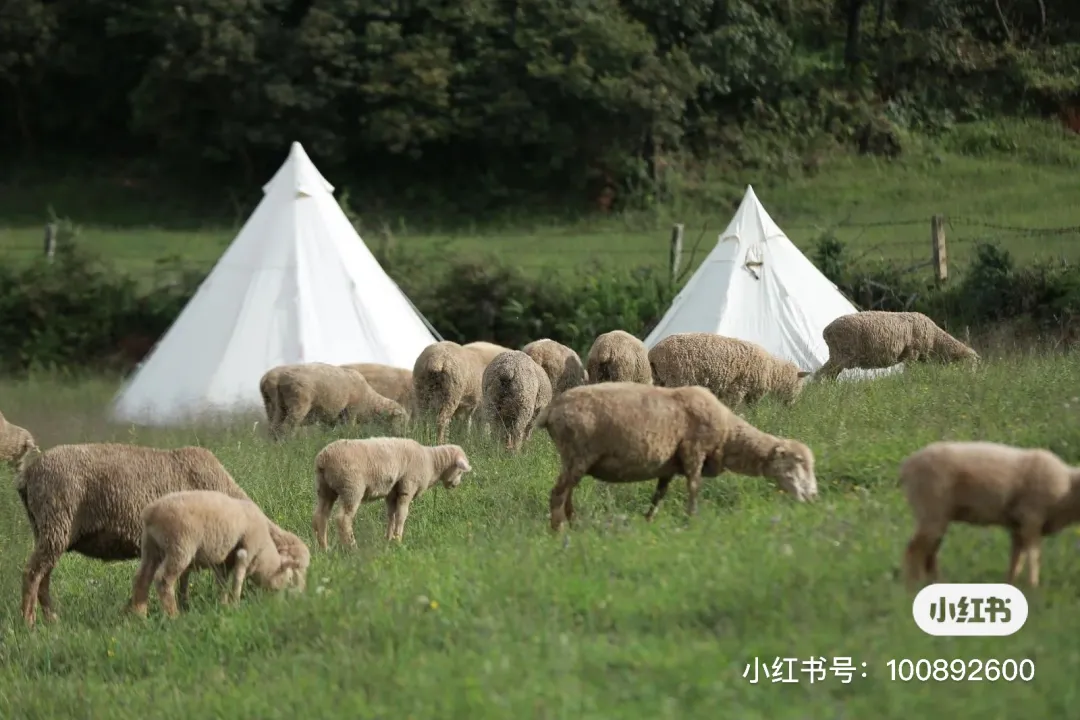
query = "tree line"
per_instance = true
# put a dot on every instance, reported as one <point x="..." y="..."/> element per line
<point x="487" y="100"/>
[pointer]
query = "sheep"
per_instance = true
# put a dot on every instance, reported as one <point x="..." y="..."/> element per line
<point x="389" y="381"/>
<point x="875" y="339"/>
<point x="16" y="443"/>
<point x="194" y="529"/>
<point x="1032" y="493"/>
<point x="562" y="365"/>
<point x="618" y="356"/>
<point x="314" y="392"/>
<point x="515" y="389"/>
<point x="396" y="469"/>
<point x="736" y="371"/>
<point x="87" y="498"/>
<point x="628" y="432"/>
<point x="448" y="382"/>
<point x="487" y="351"/>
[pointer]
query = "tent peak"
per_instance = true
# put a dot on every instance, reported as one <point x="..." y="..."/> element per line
<point x="299" y="174"/>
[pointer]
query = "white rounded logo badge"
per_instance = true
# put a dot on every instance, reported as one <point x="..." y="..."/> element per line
<point x="972" y="609"/>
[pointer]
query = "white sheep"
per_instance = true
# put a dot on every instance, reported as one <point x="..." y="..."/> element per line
<point x="1032" y="493"/>
<point x="735" y="370"/>
<point x="515" y="389"/>
<point x="561" y="364"/>
<point x="319" y="392"/>
<point x="628" y="432"/>
<point x="88" y="498"/>
<point x="876" y="339"/>
<point x="205" y="529"/>
<point x="396" y="469"/>
<point x="618" y="356"/>
<point x="448" y="382"/>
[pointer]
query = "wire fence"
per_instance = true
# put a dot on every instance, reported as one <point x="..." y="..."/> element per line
<point x="908" y="240"/>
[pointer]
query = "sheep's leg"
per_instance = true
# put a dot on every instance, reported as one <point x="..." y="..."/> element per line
<point x="243" y="562"/>
<point x="41" y="563"/>
<point x="182" y="589"/>
<point x="391" y="516"/>
<point x="442" y="422"/>
<point x="324" y="505"/>
<point x="920" y="556"/>
<point x="401" y="515"/>
<point x="693" y="485"/>
<point x="140" y="588"/>
<point x="1026" y="543"/>
<point x="560" y="496"/>
<point x="45" y="598"/>
<point x="931" y="565"/>
<point x="350" y="503"/>
<point x="662" y="485"/>
<point x="172" y="569"/>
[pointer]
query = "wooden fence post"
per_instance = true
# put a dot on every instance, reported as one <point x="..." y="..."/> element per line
<point x="50" y="240"/>
<point x="937" y="245"/>
<point x="676" y="250"/>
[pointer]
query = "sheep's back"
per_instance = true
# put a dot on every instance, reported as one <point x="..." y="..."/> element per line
<point x="96" y="492"/>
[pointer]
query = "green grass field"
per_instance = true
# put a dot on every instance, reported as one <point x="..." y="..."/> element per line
<point x="482" y="613"/>
<point x="1020" y="175"/>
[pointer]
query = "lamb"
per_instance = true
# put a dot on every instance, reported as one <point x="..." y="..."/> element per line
<point x="515" y="389"/>
<point x="195" y="529"/>
<point x="87" y="498"/>
<point x="16" y="443"/>
<point x="1032" y="493"/>
<point x="320" y="392"/>
<point x="396" y="469"/>
<point x="875" y="339"/>
<point x="562" y="365"/>
<point x="448" y="381"/>
<point x="389" y="381"/>
<point x="618" y="356"/>
<point x="628" y="432"/>
<point x="734" y="370"/>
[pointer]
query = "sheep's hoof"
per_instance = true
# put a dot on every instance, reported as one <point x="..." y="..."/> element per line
<point x="49" y="616"/>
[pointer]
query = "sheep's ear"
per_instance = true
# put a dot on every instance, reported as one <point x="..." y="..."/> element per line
<point x="462" y="463"/>
<point x="805" y="373"/>
<point x="780" y="452"/>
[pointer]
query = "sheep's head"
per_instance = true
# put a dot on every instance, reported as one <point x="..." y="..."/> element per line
<point x="791" y="465"/>
<point x="949" y="349"/>
<point x="24" y="449"/>
<point x="459" y="465"/>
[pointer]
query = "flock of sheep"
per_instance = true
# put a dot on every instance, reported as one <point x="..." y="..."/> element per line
<point x="625" y="415"/>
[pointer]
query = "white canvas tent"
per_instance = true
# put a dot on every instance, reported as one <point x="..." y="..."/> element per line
<point x="755" y="285"/>
<point x="297" y="284"/>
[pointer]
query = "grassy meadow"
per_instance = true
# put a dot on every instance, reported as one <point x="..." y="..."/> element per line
<point x="482" y="613"/>
<point x="994" y="181"/>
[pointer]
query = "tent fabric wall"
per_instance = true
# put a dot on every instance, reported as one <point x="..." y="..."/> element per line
<point x="755" y="285"/>
<point x="297" y="284"/>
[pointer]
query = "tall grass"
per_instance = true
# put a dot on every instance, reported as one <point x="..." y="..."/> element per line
<point x="481" y="613"/>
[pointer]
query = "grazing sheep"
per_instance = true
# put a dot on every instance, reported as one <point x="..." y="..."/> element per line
<point x="875" y="339"/>
<point x="487" y="351"/>
<point x="515" y="389"/>
<point x="197" y="529"/>
<point x="320" y="392"/>
<point x="448" y="382"/>
<point x="396" y="469"/>
<point x="562" y="365"/>
<point x="392" y="382"/>
<point x="16" y="443"/>
<point x="87" y="498"/>
<point x="629" y="432"/>
<point x="1032" y="493"/>
<point x="734" y="370"/>
<point x="618" y="356"/>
